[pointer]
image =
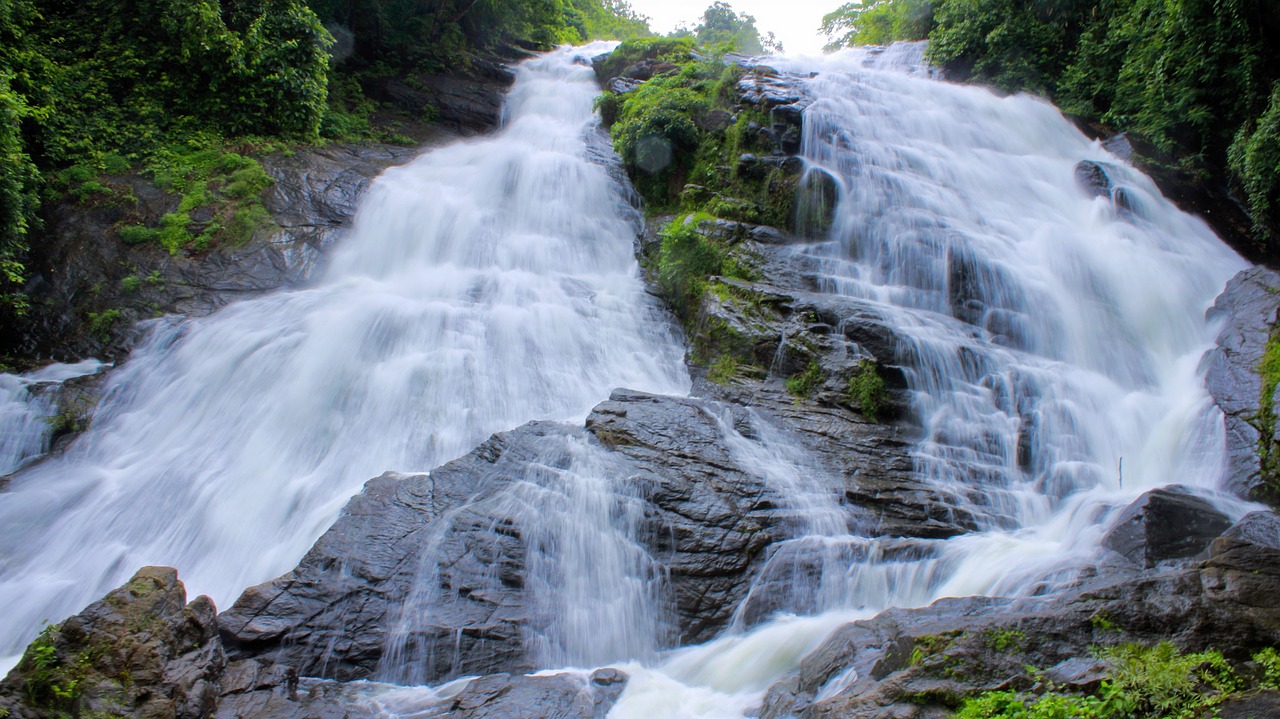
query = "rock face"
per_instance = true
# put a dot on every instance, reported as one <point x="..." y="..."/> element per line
<point x="141" y="651"/>
<point x="1248" y="308"/>
<point x="560" y="696"/>
<point x="707" y="514"/>
<point x="80" y="268"/>
<point x="1166" y="523"/>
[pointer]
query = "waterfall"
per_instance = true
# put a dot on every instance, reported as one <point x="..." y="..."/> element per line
<point x="1049" y="338"/>
<point x="484" y="285"/>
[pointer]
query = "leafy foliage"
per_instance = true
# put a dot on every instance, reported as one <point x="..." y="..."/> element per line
<point x="877" y="22"/>
<point x="868" y="392"/>
<point x="803" y="383"/>
<point x="1255" y="159"/>
<point x="723" y="28"/>
<point x="1157" y="682"/>
<point x="686" y="260"/>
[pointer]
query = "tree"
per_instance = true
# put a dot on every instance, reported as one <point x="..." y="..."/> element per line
<point x="877" y="22"/>
<point x="724" y="28"/>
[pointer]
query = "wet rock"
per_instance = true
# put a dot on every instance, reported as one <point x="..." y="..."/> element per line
<point x="1262" y="705"/>
<point x="1166" y="523"/>
<point x="1248" y="308"/>
<point x="457" y="536"/>
<point x="1092" y="177"/>
<point x="141" y="651"/>
<point x="559" y="696"/>
<point x="79" y="268"/>
<point x="1258" y="528"/>
<point x="816" y="199"/>
<point x="466" y="99"/>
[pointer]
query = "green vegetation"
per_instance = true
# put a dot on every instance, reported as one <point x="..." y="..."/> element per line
<point x="686" y="260"/>
<point x="686" y="143"/>
<point x="1265" y="420"/>
<point x="74" y="417"/>
<point x="1192" y="81"/>
<point x="186" y="92"/>
<point x="1254" y="157"/>
<point x="53" y="684"/>
<point x="877" y="22"/>
<point x="867" y="390"/>
<point x="931" y="645"/>
<point x="1002" y="640"/>
<point x="802" y="384"/>
<point x="101" y="323"/>
<point x="723" y="370"/>
<point x="1156" y="682"/>
<point x="723" y="29"/>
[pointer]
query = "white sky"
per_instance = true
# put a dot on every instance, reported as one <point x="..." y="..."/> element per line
<point x="795" y="22"/>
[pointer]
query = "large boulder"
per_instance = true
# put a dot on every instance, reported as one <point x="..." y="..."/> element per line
<point x="1248" y="309"/>
<point x="1166" y="523"/>
<point x="140" y="651"/>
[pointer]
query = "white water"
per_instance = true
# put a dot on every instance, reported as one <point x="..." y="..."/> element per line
<point x="1087" y="350"/>
<point x="484" y="285"/>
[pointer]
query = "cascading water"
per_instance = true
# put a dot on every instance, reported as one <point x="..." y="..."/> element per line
<point x="1046" y="337"/>
<point x="484" y="285"/>
<point x="1052" y="345"/>
<point x="26" y="409"/>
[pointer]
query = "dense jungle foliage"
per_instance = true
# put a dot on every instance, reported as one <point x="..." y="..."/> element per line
<point x="185" y="91"/>
<point x="1196" y="82"/>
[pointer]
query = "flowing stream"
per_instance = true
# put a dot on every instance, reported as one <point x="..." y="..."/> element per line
<point x="1052" y="343"/>
<point x="486" y="284"/>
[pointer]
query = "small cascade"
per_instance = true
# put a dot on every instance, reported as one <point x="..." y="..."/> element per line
<point x="27" y="410"/>
<point x="595" y="594"/>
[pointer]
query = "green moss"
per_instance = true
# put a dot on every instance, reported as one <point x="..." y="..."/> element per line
<point x="226" y="187"/>
<point x="74" y="417"/>
<point x="723" y="370"/>
<point x="101" y="323"/>
<point x="867" y="390"/>
<point x="803" y="383"/>
<point x="1003" y="640"/>
<point x="1103" y="622"/>
<point x="1265" y="419"/>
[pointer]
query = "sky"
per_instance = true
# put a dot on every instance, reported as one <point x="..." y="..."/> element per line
<point x="795" y="22"/>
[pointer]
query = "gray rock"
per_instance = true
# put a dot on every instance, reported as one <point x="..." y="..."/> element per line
<point x="1262" y="705"/>
<point x="1259" y="528"/>
<point x="559" y="696"/>
<point x="141" y="651"/>
<point x="1248" y="308"/>
<point x="1092" y="177"/>
<point x="708" y="518"/>
<point x="1166" y="523"/>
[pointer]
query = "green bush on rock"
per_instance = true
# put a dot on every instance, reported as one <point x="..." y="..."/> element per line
<point x="1156" y="682"/>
